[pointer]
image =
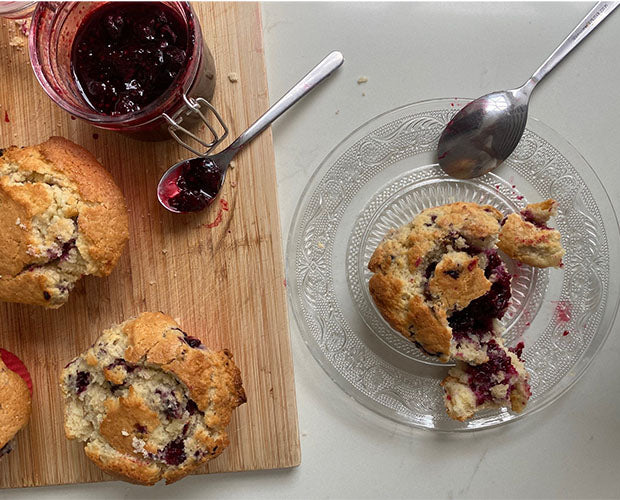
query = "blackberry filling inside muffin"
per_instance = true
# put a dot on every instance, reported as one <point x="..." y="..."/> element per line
<point x="478" y="322"/>
<point x="499" y="382"/>
<point x="82" y="380"/>
<point x="529" y="216"/>
<point x="497" y="370"/>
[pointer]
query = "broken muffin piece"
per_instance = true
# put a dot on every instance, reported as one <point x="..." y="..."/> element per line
<point x="527" y="238"/>
<point x="436" y="268"/>
<point x="61" y="216"/>
<point x="502" y="381"/>
<point x="149" y="401"/>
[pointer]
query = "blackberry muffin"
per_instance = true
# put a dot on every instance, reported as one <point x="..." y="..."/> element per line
<point x="149" y="401"/>
<point x="61" y="216"/>
<point x="15" y="399"/>
<point x="527" y="238"/>
<point x="441" y="283"/>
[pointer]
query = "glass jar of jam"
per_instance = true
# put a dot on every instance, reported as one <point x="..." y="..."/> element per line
<point x="122" y="65"/>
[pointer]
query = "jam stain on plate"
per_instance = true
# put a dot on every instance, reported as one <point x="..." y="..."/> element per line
<point x="562" y="311"/>
<point x="126" y="55"/>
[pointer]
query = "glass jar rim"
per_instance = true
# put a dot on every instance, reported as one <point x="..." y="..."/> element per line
<point x="149" y="113"/>
<point x="20" y="10"/>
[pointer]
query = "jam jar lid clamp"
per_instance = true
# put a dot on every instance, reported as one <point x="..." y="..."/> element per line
<point x="196" y="106"/>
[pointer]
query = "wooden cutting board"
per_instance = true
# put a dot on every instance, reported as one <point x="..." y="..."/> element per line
<point x="223" y="282"/>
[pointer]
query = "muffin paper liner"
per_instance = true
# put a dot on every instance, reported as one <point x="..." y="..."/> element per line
<point x="16" y="365"/>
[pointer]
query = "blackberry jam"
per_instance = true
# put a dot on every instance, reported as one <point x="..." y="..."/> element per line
<point x="196" y="186"/>
<point x="121" y="65"/>
<point x="126" y="55"/>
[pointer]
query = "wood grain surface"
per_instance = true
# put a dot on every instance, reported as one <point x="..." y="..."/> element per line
<point x="224" y="284"/>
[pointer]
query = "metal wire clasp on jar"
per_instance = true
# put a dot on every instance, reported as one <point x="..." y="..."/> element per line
<point x="194" y="107"/>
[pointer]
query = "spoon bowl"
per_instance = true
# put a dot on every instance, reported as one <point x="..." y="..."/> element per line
<point x="483" y="134"/>
<point x="191" y="185"/>
<point x="486" y="131"/>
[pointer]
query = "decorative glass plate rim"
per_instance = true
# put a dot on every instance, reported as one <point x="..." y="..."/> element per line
<point x="290" y="252"/>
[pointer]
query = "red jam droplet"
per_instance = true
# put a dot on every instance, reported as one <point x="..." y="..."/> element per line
<point x="563" y="311"/>
<point x="126" y="55"/>
<point x="217" y="221"/>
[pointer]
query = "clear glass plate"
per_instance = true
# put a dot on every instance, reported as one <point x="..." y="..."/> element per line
<point x="380" y="177"/>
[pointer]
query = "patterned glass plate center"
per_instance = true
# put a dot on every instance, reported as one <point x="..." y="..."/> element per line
<point x="380" y="177"/>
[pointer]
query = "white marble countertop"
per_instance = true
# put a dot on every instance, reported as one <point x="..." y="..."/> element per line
<point x="412" y="52"/>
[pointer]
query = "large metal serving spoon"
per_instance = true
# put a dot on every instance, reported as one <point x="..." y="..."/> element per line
<point x="486" y="131"/>
<point x="192" y="185"/>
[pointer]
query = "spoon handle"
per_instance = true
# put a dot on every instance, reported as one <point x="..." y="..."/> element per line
<point x="321" y="71"/>
<point x="599" y="12"/>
